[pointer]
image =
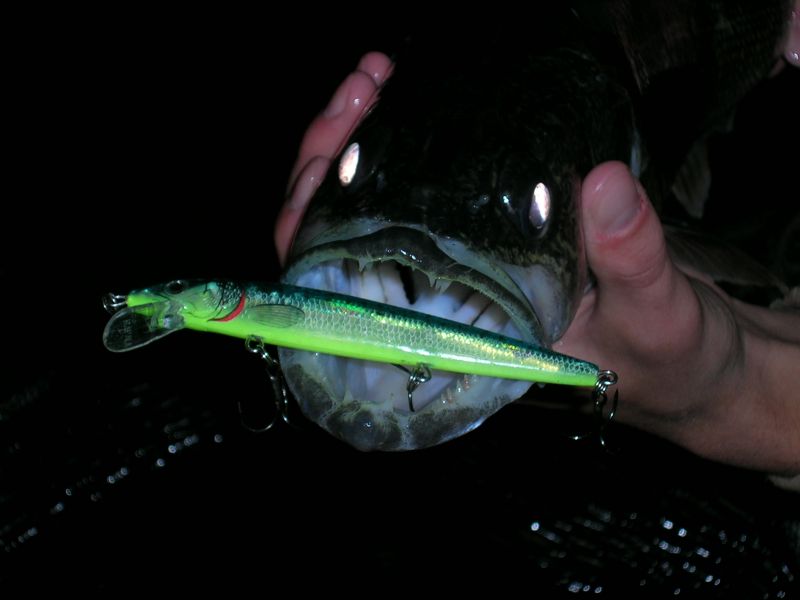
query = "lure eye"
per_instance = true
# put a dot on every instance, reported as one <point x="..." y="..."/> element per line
<point x="539" y="210"/>
<point x="348" y="164"/>
<point x="175" y="287"/>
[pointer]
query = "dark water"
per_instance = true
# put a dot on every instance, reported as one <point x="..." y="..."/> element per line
<point x="155" y="152"/>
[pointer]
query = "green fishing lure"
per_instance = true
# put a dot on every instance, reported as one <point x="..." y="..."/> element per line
<point x="329" y="323"/>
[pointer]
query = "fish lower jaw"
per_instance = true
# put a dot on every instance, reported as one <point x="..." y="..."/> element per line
<point x="367" y="404"/>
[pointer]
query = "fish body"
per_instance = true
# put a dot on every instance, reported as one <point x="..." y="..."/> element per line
<point x="458" y="194"/>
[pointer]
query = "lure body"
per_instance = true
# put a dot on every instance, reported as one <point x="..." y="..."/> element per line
<point x="330" y="323"/>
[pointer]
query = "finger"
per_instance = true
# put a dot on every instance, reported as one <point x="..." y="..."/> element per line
<point x="330" y="129"/>
<point x="624" y="240"/>
<point x="323" y="140"/>
<point x="640" y="294"/>
<point x="638" y="289"/>
<point x="377" y="65"/>
<point x="351" y="99"/>
<point x="288" y="219"/>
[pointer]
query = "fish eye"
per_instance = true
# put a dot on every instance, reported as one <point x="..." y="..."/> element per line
<point x="175" y="287"/>
<point x="539" y="210"/>
<point x="348" y="164"/>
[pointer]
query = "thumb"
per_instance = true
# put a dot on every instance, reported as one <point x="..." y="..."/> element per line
<point x="625" y="247"/>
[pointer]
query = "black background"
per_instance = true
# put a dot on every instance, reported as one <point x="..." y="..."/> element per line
<point x="147" y="147"/>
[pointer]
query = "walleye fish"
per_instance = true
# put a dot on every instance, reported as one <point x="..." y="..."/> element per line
<point x="458" y="194"/>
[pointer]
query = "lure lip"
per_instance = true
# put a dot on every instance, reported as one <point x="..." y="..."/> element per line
<point x="113" y="303"/>
<point x="140" y="324"/>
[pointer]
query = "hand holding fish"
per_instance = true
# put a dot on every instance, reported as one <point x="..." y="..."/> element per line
<point x="323" y="139"/>
<point x="724" y="363"/>
<point x="697" y="367"/>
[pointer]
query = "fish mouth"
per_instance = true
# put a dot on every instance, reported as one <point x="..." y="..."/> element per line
<point x="367" y="404"/>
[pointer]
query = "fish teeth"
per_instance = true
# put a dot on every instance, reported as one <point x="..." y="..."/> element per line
<point x="471" y="310"/>
<point x="371" y="287"/>
<point x="348" y="396"/>
<point x="431" y="280"/>
<point x="442" y="285"/>
<point x="492" y="318"/>
<point x="392" y="285"/>
<point x="362" y="264"/>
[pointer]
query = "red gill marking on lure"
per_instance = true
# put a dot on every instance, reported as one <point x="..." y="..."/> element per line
<point x="235" y="312"/>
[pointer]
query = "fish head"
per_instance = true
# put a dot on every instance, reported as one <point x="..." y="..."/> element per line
<point x="146" y="315"/>
<point x="454" y="198"/>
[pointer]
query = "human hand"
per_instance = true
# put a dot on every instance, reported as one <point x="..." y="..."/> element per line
<point x="695" y="366"/>
<point x="704" y="370"/>
<point x="323" y="140"/>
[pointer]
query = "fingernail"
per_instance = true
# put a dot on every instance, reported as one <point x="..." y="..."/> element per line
<point x="376" y="65"/>
<point x="618" y="202"/>
<point x="338" y="102"/>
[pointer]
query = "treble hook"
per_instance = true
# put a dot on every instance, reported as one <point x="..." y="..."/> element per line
<point x="256" y="345"/>
<point x="114" y="302"/>
<point x="420" y="374"/>
<point x="605" y="379"/>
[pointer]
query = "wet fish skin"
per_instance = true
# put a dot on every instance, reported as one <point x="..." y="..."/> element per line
<point x="464" y="131"/>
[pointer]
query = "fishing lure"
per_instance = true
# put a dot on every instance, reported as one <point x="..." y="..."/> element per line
<point x="336" y="324"/>
<point x="320" y="321"/>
